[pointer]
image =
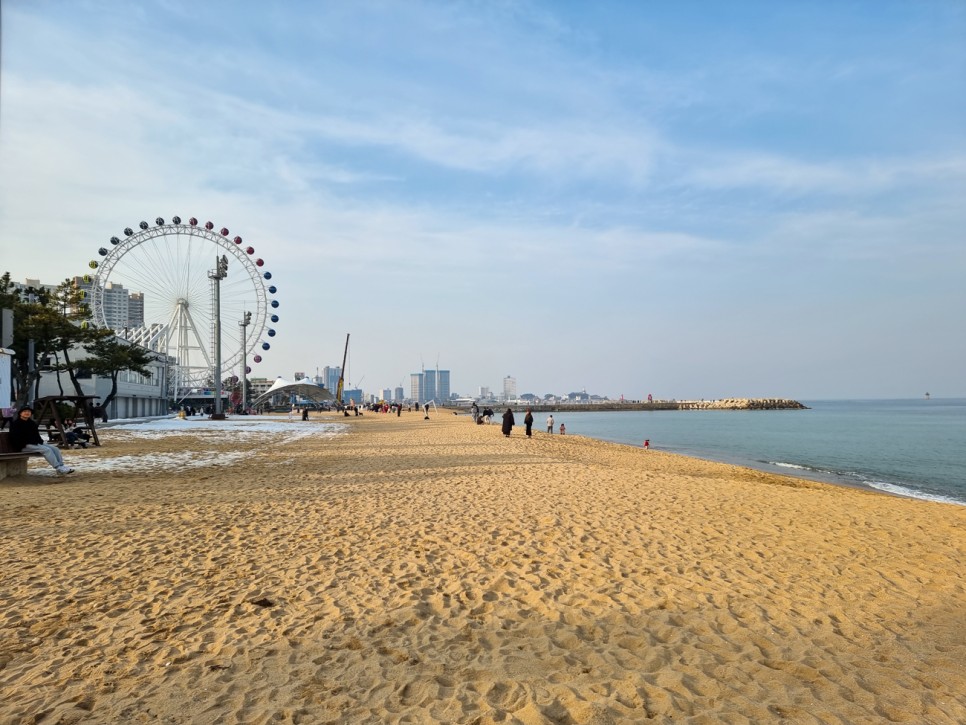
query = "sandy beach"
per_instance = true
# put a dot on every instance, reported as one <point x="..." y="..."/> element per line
<point x="413" y="571"/>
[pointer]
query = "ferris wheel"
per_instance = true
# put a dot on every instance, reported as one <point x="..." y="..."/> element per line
<point x="168" y="270"/>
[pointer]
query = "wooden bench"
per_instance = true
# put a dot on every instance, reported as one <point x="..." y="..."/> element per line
<point x="12" y="463"/>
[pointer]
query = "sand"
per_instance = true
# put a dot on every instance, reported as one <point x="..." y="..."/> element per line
<point x="417" y="571"/>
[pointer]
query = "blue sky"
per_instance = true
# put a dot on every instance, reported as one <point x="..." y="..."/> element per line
<point x="689" y="199"/>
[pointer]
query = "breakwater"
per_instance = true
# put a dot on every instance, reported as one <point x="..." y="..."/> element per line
<point x="609" y="405"/>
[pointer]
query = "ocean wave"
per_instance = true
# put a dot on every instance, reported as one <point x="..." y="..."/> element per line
<point x="912" y="493"/>
<point x="780" y="464"/>
<point x="854" y="478"/>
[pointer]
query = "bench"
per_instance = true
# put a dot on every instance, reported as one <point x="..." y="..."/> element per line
<point x="12" y="463"/>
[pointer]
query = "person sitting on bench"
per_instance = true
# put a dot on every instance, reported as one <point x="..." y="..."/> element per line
<point x="25" y="436"/>
<point x="75" y="436"/>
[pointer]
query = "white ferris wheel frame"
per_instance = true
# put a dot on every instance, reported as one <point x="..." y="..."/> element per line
<point x="179" y="336"/>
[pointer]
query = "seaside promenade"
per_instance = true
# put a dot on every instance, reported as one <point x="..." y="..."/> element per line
<point x="433" y="571"/>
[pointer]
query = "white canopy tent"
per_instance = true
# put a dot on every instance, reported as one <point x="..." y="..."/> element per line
<point x="301" y="388"/>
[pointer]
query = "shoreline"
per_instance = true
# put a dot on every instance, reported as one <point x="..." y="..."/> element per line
<point x="858" y="478"/>
<point x="435" y="571"/>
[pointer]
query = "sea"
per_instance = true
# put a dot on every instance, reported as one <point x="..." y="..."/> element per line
<point x="914" y="448"/>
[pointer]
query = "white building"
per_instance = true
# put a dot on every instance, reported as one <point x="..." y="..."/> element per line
<point x="137" y="395"/>
<point x="509" y="388"/>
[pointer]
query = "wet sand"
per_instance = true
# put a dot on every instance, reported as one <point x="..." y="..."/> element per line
<point x="417" y="571"/>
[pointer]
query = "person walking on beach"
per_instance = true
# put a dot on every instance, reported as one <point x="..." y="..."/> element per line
<point x="647" y="444"/>
<point x="508" y="422"/>
<point x="25" y="436"/>
<point x="563" y="429"/>
<point x="528" y="422"/>
<point x="550" y="424"/>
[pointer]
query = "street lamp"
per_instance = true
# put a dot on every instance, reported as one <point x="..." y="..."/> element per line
<point x="243" y="324"/>
<point x="216" y="276"/>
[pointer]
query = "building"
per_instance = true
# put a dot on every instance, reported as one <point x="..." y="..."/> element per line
<point x="122" y="309"/>
<point x="330" y="377"/>
<point x="400" y="394"/>
<point x="137" y="395"/>
<point x="429" y="385"/>
<point x="258" y="386"/>
<point x="509" y="388"/>
<point x="442" y="386"/>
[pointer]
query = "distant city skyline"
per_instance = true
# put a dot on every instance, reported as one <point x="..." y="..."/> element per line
<point x="690" y="200"/>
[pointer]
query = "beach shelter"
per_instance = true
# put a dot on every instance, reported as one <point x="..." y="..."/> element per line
<point x="304" y="388"/>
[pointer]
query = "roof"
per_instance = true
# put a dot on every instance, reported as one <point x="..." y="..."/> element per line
<point x="302" y="388"/>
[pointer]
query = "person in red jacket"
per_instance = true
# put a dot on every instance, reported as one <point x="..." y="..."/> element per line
<point x="25" y="436"/>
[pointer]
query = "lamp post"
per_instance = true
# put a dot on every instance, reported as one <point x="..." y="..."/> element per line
<point x="216" y="276"/>
<point x="243" y="323"/>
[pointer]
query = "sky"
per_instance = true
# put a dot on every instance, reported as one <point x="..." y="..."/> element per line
<point x="684" y="199"/>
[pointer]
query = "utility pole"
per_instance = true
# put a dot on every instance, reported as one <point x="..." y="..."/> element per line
<point x="243" y="324"/>
<point x="216" y="276"/>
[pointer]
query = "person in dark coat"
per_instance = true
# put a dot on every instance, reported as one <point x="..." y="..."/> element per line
<point x="528" y="422"/>
<point x="25" y="436"/>
<point x="508" y="422"/>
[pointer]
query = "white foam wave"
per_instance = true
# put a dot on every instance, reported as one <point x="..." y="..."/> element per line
<point x="911" y="493"/>
<point x="780" y="464"/>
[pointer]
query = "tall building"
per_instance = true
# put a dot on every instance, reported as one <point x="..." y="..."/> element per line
<point x="416" y="387"/>
<point x="429" y="386"/>
<point x="509" y="388"/>
<point x="122" y="308"/>
<point x="442" y="385"/>
<point x="135" y="309"/>
<point x="330" y="377"/>
<point x="400" y="394"/>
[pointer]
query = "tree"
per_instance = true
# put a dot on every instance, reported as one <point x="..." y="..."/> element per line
<point x="110" y="356"/>
<point x="75" y="328"/>
<point x="54" y="322"/>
